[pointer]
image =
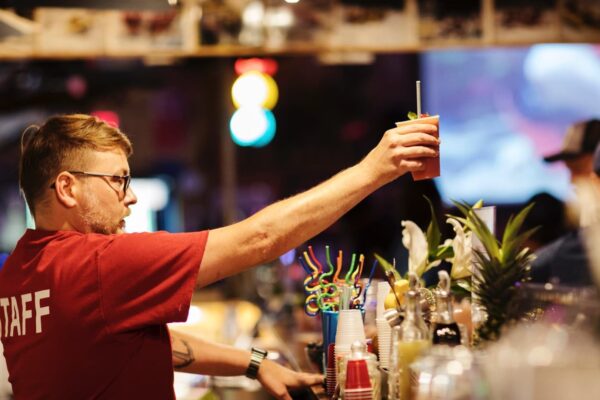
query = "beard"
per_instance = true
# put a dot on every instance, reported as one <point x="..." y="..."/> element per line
<point x="96" y="220"/>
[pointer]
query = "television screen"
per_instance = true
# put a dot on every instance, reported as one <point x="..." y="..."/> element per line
<point x="502" y="110"/>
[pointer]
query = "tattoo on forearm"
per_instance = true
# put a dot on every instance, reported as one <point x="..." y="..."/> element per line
<point x="183" y="355"/>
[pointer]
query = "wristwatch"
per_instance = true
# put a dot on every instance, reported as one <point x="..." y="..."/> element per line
<point x="255" y="359"/>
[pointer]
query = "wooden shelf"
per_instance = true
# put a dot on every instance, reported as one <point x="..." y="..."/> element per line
<point x="8" y="54"/>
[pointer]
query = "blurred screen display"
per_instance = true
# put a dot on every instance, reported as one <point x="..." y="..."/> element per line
<point x="502" y="110"/>
<point x="152" y="196"/>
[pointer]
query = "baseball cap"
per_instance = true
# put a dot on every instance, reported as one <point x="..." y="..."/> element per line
<point x="581" y="138"/>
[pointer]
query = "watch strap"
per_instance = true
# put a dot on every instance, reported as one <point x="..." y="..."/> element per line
<point x="256" y="358"/>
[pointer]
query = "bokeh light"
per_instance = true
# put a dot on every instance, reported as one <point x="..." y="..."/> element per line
<point x="254" y="88"/>
<point x="252" y="126"/>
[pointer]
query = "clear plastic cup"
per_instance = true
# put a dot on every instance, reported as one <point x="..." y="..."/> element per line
<point x="383" y="288"/>
<point x="350" y="328"/>
<point x="384" y="337"/>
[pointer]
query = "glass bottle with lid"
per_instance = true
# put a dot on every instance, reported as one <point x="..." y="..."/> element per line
<point x="445" y="329"/>
<point x="359" y="352"/>
<point x="409" y="340"/>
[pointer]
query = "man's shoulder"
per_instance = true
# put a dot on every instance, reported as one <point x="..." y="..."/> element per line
<point x="70" y="243"/>
<point x="569" y="242"/>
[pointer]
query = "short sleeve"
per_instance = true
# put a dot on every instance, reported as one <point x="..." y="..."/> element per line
<point x="148" y="278"/>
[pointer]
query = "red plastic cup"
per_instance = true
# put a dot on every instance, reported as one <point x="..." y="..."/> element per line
<point x="357" y="375"/>
<point x="331" y="355"/>
<point x="331" y="377"/>
<point x="432" y="164"/>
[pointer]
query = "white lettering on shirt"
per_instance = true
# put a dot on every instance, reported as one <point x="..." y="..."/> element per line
<point x="15" y="324"/>
<point x="4" y="304"/>
<point x="25" y="298"/>
<point x="39" y="310"/>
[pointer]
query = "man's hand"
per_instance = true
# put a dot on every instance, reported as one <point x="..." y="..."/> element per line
<point x="401" y="150"/>
<point x="277" y="379"/>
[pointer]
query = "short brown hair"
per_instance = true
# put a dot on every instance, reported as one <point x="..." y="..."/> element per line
<point x="58" y="145"/>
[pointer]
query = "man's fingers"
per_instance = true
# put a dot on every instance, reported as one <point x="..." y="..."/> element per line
<point x="413" y="165"/>
<point x="419" y="152"/>
<point x="418" y="138"/>
<point x="311" y="379"/>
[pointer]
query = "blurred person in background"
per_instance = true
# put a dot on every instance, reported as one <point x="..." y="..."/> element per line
<point x="565" y="260"/>
<point x="549" y="215"/>
<point x="89" y="303"/>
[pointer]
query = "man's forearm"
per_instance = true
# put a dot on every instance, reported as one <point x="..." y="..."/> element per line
<point x="290" y="222"/>
<point x="285" y="224"/>
<point x="195" y="355"/>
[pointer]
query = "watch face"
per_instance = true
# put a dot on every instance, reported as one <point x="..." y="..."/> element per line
<point x="260" y="351"/>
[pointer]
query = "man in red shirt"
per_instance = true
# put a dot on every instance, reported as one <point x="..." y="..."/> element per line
<point x="84" y="307"/>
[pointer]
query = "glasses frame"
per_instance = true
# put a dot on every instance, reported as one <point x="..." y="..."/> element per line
<point x="126" y="179"/>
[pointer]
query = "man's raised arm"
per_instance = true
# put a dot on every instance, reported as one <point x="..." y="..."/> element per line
<point x="288" y="223"/>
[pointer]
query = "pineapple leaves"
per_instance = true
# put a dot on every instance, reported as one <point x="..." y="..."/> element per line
<point x="480" y="229"/>
<point x="499" y="267"/>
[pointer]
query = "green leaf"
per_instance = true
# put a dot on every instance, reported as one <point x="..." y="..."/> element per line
<point x="412" y="115"/>
<point x="479" y="228"/>
<point x="513" y="246"/>
<point x="433" y="234"/>
<point x="514" y="224"/>
<point x="387" y="266"/>
<point x="444" y="252"/>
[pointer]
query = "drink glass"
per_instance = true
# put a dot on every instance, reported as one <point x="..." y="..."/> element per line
<point x="432" y="164"/>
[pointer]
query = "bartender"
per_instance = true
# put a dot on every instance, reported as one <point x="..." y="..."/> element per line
<point x="85" y="305"/>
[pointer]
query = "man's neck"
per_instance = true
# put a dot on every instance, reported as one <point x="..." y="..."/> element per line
<point x="53" y="224"/>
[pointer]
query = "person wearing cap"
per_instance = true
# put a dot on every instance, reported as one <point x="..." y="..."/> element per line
<point x="86" y="305"/>
<point x="565" y="260"/>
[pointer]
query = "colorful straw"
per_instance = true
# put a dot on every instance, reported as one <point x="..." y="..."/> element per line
<point x="348" y="278"/>
<point x="371" y="274"/>
<point x="328" y="298"/>
<point x="338" y="268"/>
<point x="311" y="306"/>
<point x="326" y="290"/>
<point x="315" y="259"/>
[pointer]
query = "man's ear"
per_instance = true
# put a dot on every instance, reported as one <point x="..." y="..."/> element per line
<point x="66" y="189"/>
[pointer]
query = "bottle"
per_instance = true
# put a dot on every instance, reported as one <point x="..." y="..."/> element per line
<point x="349" y="385"/>
<point x="409" y="340"/>
<point x="445" y="329"/>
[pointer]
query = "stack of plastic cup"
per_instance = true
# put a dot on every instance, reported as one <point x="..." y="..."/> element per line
<point x="383" y="288"/>
<point x="329" y="324"/>
<point x="331" y="374"/>
<point x="350" y="328"/>
<point x="330" y="321"/>
<point x="384" y="330"/>
<point x="358" y="383"/>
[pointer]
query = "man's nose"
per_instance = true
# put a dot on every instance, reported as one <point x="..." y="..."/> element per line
<point x="130" y="197"/>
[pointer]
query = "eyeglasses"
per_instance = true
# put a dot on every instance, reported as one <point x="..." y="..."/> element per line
<point x="122" y="180"/>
